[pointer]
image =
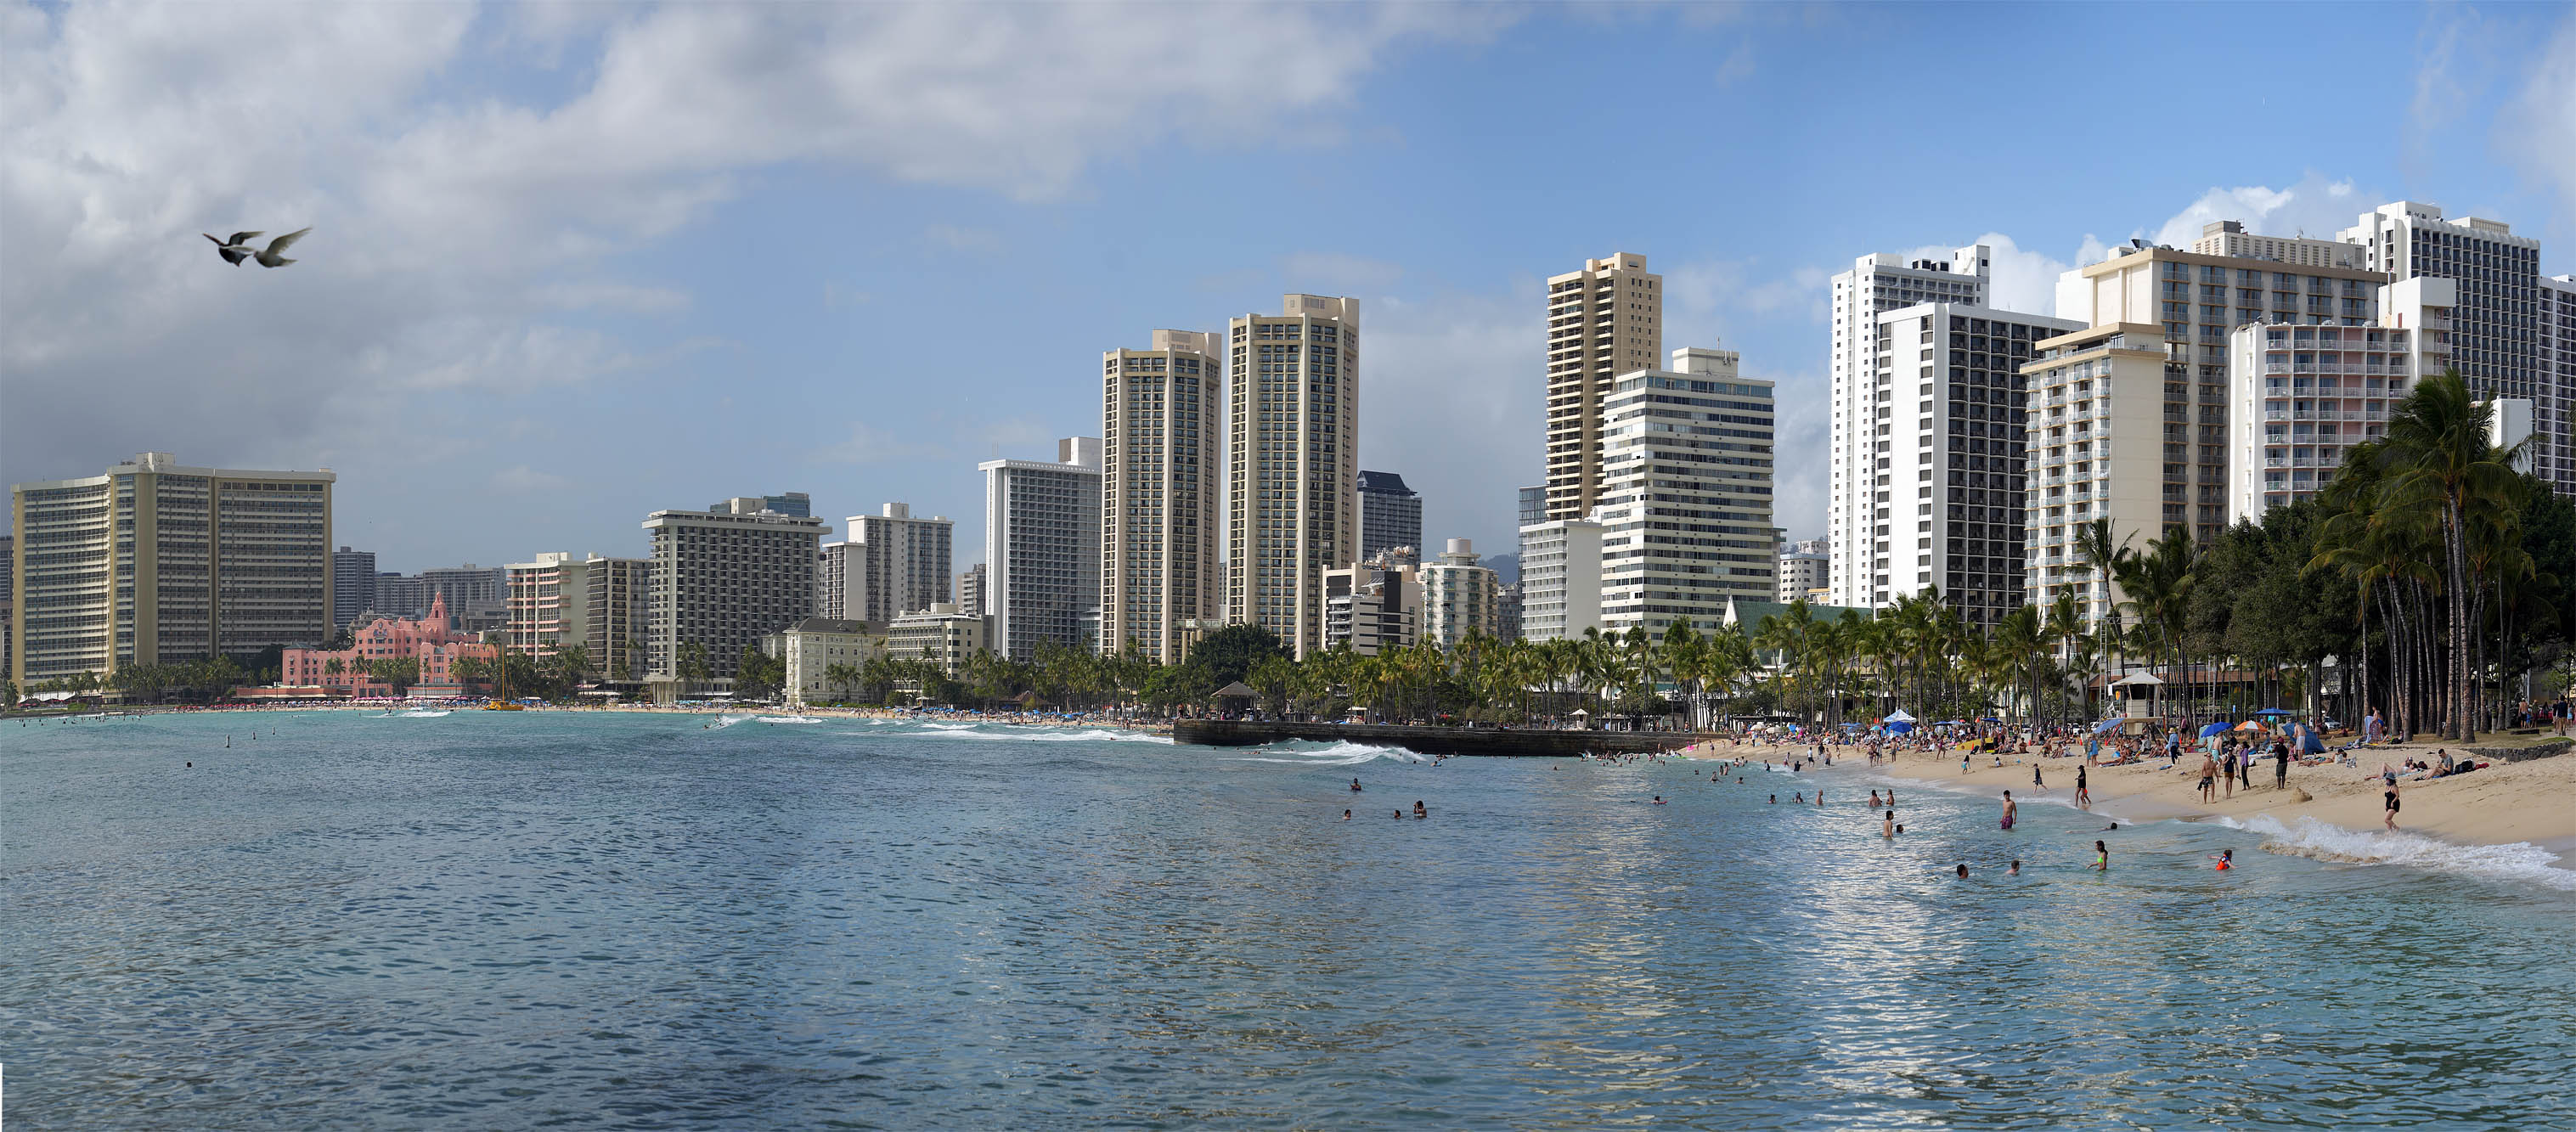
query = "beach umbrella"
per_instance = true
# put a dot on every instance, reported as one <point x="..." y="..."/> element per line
<point x="2249" y="725"/>
<point x="2106" y="726"/>
<point x="2212" y="729"/>
<point x="2276" y="711"/>
<point x="1899" y="716"/>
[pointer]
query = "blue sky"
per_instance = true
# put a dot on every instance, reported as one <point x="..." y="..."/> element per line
<point x="575" y="263"/>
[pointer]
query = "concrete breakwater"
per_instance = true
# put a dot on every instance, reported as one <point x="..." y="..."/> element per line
<point x="1432" y="740"/>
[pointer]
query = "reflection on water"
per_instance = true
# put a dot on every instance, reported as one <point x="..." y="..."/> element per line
<point x="640" y="922"/>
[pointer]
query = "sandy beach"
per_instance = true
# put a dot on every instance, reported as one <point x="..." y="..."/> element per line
<point x="2505" y="803"/>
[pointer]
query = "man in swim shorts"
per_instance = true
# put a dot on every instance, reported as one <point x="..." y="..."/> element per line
<point x="2011" y="809"/>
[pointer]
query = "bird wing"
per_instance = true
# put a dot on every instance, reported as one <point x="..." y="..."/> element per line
<point x="239" y="237"/>
<point x="280" y="244"/>
<point x="218" y="243"/>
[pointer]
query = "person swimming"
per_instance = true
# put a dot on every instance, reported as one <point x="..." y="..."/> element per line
<point x="1659" y="799"/>
<point x="1355" y="786"/>
<point x="1346" y="815"/>
<point x="1963" y="870"/>
<point x="2226" y="860"/>
<point x="1419" y="811"/>
<point x="1775" y="799"/>
<point x="2015" y="870"/>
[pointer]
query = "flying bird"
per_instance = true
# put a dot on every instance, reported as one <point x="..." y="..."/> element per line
<point x="235" y="250"/>
<point x="270" y="258"/>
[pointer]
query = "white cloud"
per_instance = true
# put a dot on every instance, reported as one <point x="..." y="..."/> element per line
<point x="1699" y="291"/>
<point x="1737" y="67"/>
<point x="630" y="298"/>
<point x="1451" y="396"/>
<point x="982" y="241"/>
<point x="1332" y="273"/>
<point x="130" y="127"/>
<point x="520" y="479"/>
<point x="2019" y="279"/>
<point x="2315" y="208"/>
<point x="2538" y="128"/>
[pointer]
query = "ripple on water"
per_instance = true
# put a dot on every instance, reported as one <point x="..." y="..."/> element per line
<point x="634" y="921"/>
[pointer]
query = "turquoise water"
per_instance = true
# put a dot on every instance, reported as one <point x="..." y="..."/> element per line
<point x="537" y="920"/>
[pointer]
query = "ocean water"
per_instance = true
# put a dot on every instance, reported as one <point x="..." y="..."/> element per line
<point x="538" y="920"/>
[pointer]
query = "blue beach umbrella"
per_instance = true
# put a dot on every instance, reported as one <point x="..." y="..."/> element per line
<point x="2106" y="726"/>
<point x="2212" y="729"/>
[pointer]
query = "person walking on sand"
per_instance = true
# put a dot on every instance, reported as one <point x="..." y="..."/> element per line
<point x="2011" y="809"/>
<point x="2035" y="783"/>
<point x="2227" y="771"/>
<point x="2390" y="818"/>
<point x="2208" y="779"/>
<point x="2083" y="796"/>
<point x="2280" y="765"/>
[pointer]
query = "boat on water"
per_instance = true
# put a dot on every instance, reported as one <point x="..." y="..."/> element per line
<point x="504" y="705"/>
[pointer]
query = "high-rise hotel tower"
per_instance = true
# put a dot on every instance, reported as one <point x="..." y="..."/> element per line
<point x="1293" y="408"/>
<point x="1602" y="321"/>
<point x="1159" y="491"/>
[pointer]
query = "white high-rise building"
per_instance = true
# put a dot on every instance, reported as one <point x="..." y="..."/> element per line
<point x="892" y="564"/>
<point x="1160" y="492"/>
<point x="1801" y="571"/>
<point x="1940" y="501"/>
<point x="2504" y="341"/>
<point x="721" y="581"/>
<point x="1685" y="505"/>
<point x="1459" y="597"/>
<point x="1042" y="548"/>
<point x="1560" y="579"/>
<point x="1868" y="453"/>
<point x="1293" y="513"/>
<point x="2301" y="395"/>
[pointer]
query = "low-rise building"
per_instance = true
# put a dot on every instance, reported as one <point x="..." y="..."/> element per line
<point x="1372" y="607"/>
<point x="816" y="650"/>
<point x="941" y="634"/>
<point x="431" y="640"/>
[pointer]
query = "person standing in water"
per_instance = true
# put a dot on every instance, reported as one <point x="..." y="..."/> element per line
<point x="2011" y="810"/>
<point x="2101" y="857"/>
<point x="1887" y="826"/>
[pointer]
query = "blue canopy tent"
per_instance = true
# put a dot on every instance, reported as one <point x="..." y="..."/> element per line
<point x="2303" y="739"/>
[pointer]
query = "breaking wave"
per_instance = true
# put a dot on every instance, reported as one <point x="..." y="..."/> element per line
<point x="2319" y="841"/>
<point x="1344" y="753"/>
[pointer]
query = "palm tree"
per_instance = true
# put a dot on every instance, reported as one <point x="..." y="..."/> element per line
<point x="2443" y="466"/>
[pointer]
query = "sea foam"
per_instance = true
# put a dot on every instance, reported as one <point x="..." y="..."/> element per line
<point x="2316" y="840"/>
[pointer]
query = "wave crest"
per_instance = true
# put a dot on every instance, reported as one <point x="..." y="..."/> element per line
<point x="2319" y="841"/>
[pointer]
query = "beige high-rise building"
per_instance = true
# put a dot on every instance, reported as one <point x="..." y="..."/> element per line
<point x="2097" y="437"/>
<point x="1293" y="509"/>
<point x="2198" y="301"/>
<point x="1161" y="441"/>
<point x="1602" y="321"/>
<point x="153" y="563"/>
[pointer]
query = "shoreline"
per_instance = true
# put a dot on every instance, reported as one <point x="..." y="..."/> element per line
<point x="2502" y="805"/>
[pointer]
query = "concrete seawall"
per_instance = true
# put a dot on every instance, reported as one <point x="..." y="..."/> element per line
<point x="1432" y="740"/>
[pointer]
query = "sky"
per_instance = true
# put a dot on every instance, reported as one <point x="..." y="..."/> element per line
<point x="573" y="263"/>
